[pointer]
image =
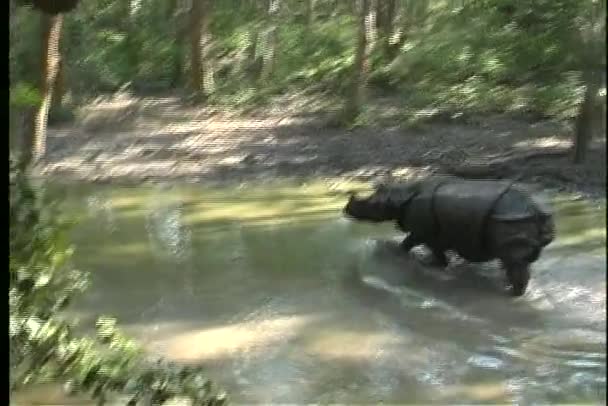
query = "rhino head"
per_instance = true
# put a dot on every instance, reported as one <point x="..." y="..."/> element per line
<point x="385" y="204"/>
<point x="546" y="223"/>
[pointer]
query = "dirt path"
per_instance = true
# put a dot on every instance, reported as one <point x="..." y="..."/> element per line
<point x="124" y="139"/>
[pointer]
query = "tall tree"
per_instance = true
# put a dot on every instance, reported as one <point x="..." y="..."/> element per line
<point x="593" y="54"/>
<point x="202" y="76"/>
<point x="584" y="120"/>
<point x="385" y="17"/>
<point x="175" y="14"/>
<point x="35" y="146"/>
<point x="361" y="67"/>
<point x="310" y="12"/>
<point x="59" y="90"/>
<point x="132" y="51"/>
<point x="270" y="40"/>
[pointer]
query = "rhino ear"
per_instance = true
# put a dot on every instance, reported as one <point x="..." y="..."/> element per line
<point x="407" y="194"/>
<point x="381" y="187"/>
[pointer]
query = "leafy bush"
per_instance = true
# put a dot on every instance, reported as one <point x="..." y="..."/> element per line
<point x="497" y="55"/>
<point x="43" y="345"/>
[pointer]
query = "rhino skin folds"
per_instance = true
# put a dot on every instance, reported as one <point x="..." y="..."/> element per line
<point x="481" y="220"/>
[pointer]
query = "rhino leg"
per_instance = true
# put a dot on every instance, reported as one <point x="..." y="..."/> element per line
<point x="439" y="257"/>
<point x="409" y="242"/>
<point x="518" y="274"/>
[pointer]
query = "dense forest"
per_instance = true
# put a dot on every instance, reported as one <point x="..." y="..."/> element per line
<point x="431" y="60"/>
<point x="540" y="58"/>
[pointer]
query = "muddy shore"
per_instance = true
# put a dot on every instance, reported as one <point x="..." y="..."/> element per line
<point x="134" y="140"/>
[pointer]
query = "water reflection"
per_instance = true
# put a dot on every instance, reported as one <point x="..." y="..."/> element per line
<point x="285" y="301"/>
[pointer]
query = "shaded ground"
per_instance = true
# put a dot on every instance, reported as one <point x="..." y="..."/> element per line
<point x="126" y="139"/>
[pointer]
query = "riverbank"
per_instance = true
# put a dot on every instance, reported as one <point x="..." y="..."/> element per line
<point x="131" y="140"/>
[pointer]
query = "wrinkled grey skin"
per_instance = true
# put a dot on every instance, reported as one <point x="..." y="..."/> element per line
<point x="480" y="220"/>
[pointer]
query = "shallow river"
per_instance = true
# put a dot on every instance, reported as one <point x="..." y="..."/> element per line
<point x="286" y="301"/>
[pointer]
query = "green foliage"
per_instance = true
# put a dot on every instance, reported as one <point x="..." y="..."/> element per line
<point x="24" y="95"/>
<point x="498" y="55"/>
<point x="482" y="55"/>
<point x="42" y="344"/>
<point x="23" y="99"/>
<point x="25" y="46"/>
<point x="319" y="57"/>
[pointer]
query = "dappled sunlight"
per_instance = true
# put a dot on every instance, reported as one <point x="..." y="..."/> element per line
<point x="491" y="392"/>
<point x="584" y="236"/>
<point x="544" y="142"/>
<point x="130" y="250"/>
<point x="49" y="394"/>
<point x="258" y="213"/>
<point x="250" y="207"/>
<point x="232" y="340"/>
<point x="580" y="226"/>
<point x="332" y="344"/>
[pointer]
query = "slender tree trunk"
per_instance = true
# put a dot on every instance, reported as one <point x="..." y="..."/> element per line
<point x="310" y="12"/>
<point x="398" y="30"/>
<point x="195" y="49"/>
<point x="51" y="35"/>
<point x="385" y="10"/>
<point x="371" y="24"/>
<point x="584" y="120"/>
<point x="202" y="77"/>
<point x="381" y="10"/>
<point x="388" y="29"/>
<point x="59" y="88"/>
<point x="131" y="45"/>
<point x="593" y="45"/>
<point x="206" y="42"/>
<point x="361" y="64"/>
<point x="335" y="7"/>
<point x="178" y="30"/>
<point x="270" y="41"/>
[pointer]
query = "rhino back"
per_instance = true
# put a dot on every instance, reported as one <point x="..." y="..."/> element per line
<point x="418" y="217"/>
<point x="462" y="209"/>
<point x="518" y="204"/>
<point x="530" y="217"/>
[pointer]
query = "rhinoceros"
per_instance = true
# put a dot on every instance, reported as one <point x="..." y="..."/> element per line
<point x="480" y="220"/>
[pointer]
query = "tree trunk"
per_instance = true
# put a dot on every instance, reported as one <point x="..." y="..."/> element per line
<point x="390" y="46"/>
<point x="398" y="29"/>
<point x="371" y="30"/>
<point x="51" y="35"/>
<point x="335" y="7"/>
<point x="270" y="41"/>
<point x="59" y="88"/>
<point x="361" y="64"/>
<point x="131" y="45"/>
<point x="385" y="15"/>
<point x="310" y="13"/>
<point x="175" y="16"/>
<point x="200" y="43"/>
<point x="584" y="120"/>
<point x="381" y="10"/>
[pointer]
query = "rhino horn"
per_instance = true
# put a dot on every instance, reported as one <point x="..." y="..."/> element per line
<point x="381" y="187"/>
<point x="352" y="195"/>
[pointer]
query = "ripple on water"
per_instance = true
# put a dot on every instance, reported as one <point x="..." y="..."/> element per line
<point x="485" y="361"/>
<point x="267" y="320"/>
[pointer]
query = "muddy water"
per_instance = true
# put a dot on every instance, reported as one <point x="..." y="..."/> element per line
<point x="285" y="301"/>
